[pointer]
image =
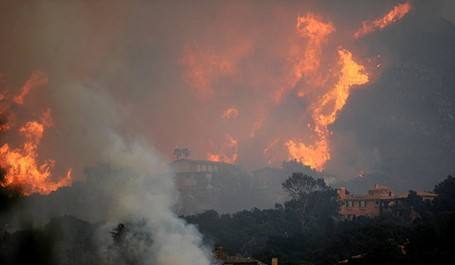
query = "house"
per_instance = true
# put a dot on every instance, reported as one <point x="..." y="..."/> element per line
<point x="200" y="184"/>
<point x="377" y="201"/>
<point x="224" y="259"/>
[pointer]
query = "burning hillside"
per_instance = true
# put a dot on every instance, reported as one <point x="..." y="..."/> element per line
<point x="244" y="96"/>
<point x="331" y="89"/>
<point x="24" y="169"/>
<point x="318" y="74"/>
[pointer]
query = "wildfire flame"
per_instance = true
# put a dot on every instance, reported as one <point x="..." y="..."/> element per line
<point x="228" y="154"/>
<point x="316" y="32"/>
<point x="37" y="79"/>
<point x="397" y="13"/>
<point x="22" y="169"/>
<point x="268" y="150"/>
<point x="320" y="81"/>
<point x="202" y="68"/>
<point x="325" y="111"/>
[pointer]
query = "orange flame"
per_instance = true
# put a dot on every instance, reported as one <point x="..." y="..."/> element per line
<point x="397" y="13"/>
<point x="322" y="89"/>
<point x="333" y="101"/>
<point x="314" y="156"/>
<point x="268" y="150"/>
<point x="202" y="68"/>
<point x="228" y="154"/>
<point x="231" y="113"/>
<point x="22" y="168"/>
<point x="36" y="80"/>
<point x="316" y="32"/>
<point x="325" y="111"/>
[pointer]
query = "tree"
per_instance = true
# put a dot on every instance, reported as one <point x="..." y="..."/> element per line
<point x="186" y="152"/>
<point x="177" y="153"/>
<point x="8" y="196"/>
<point x="446" y="194"/>
<point x="312" y="201"/>
<point x="299" y="185"/>
<point x="181" y="153"/>
<point x="132" y="244"/>
<point x="415" y="204"/>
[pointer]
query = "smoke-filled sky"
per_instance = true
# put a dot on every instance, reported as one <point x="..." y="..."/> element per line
<point x="207" y="74"/>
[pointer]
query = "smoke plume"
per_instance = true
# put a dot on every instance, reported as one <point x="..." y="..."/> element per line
<point x="138" y="184"/>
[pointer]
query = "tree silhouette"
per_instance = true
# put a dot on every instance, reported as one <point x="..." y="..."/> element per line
<point x="181" y="153"/>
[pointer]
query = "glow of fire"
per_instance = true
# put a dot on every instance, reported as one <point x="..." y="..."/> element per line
<point x="324" y="113"/>
<point x="326" y="88"/>
<point x="231" y="113"/>
<point x="22" y="169"/>
<point x="228" y="154"/>
<point x="316" y="32"/>
<point x="268" y="150"/>
<point x="37" y="79"/>
<point x="394" y="15"/>
<point x="203" y="67"/>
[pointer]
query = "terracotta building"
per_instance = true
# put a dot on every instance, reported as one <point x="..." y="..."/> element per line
<point x="377" y="201"/>
<point x="224" y="259"/>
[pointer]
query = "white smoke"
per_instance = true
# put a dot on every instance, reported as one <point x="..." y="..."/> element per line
<point x="143" y="190"/>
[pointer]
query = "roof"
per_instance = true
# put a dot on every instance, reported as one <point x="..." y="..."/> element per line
<point x="240" y="260"/>
<point x="205" y="162"/>
<point x="367" y="197"/>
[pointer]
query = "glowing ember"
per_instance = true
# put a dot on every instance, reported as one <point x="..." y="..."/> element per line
<point x="397" y="13"/>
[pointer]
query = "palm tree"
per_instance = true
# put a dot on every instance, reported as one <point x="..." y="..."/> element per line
<point x="181" y="153"/>
<point x="186" y="152"/>
<point x="177" y="153"/>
